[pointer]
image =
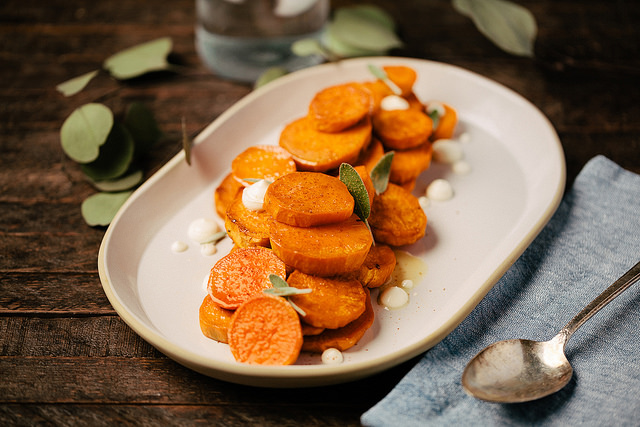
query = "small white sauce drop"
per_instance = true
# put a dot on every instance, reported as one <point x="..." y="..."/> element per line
<point x="461" y="167"/>
<point x="179" y="246"/>
<point x="202" y="230"/>
<point x="464" y="137"/>
<point x="407" y="284"/>
<point x="447" y="151"/>
<point x="394" y="297"/>
<point x="439" y="189"/>
<point x="208" y="249"/>
<point x="424" y="202"/>
<point x="394" y="102"/>
<point x="253" y="195"/>
<point x="332" y="356"/>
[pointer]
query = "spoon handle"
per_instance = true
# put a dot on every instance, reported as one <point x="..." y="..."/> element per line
<point x="619" y="286"/>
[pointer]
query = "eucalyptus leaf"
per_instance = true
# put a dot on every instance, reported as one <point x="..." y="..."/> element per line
<point x="76" y="84"/>
<point x="269" y="75"/>
<point x="342" y="49"/>
<point x="99" y="209"/>
<point x="362" y="31"/>
<point x="116" y="155"/>
<point x="126" y="182"/>
<point x="85" y="130"/>
<point x="142" y="126"/>
<point x="381" y="171"/>
<point x="351" y="178"/>
<point x="140" y="59"/>
<point x="508" y="25"/>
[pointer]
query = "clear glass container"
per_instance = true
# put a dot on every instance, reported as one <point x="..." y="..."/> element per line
<point x="239" y="39"/>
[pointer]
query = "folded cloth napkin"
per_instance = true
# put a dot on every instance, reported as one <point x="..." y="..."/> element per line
<point x="592" y="239"/>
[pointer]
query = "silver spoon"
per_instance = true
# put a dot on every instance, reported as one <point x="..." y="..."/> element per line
<point x="522" y="370"/>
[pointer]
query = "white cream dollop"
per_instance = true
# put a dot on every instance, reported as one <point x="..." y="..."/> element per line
<point x="179" y="246"/>
<point x="394" y="297"/>
<point x="447" y="151"/>
<point x="203" y="230"/>
<point x="208" y="249"/>
<point x="253" y="195"/>
<point x="439" y="189"/>
<point x="461" y="167"/>
<point x="394" y="102"/>
<point x="435" y="107"/>
<point x="332" y="356"/>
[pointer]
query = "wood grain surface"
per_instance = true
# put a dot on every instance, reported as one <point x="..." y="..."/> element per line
<point x="66" y="358"/>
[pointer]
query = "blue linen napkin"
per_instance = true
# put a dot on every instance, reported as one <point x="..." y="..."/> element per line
<point x="593" y="238"/>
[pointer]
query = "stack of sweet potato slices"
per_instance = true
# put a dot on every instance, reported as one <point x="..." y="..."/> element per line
<point x="308" y="222"/>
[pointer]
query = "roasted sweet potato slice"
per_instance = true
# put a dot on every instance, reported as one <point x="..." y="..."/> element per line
<point x="396" y="217"/>
<point x="214" y="320"/>
<point x="247" y="227"/>
<point x="318" y="151"/>
<point x="241" y="274"/>
<point x="324" y="250"/>
<point x="446" y="123"/>
<point x="265" y="330"/>
<point x="339" y="107"/>
<point x="377" y="266"/>
<point x="371" y="155"/>
<point x="342" y="338"/>
<point x="224" y="194"/>
<point x="333" y="301"/>
<point x="306" y="199"/>
<point x="402" y="129"/>
<point x="407" y="165"/>
<point x="378" y="90"/>
<point x="366" y="180"/>
<point x="404" y="77"/>
<point x="262" y="162"/>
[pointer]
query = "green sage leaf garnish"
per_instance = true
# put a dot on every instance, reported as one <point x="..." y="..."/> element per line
<point x="85" y="130"/>
<point x="115" y="157"/>
<point x="508" y="25"/>
<point x="380" y="74"/>
<point x="99" y="209"/>
<point x="381" y="172"/>
<point x="76" y="84"/>
<point x="217" y="236"/>
<point x="140" y="59"/>
<point x="351" y="178"/>
<point x="282" y="289"/>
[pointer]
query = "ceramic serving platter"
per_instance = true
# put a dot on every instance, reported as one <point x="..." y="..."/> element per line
<point x="515" y="184"/>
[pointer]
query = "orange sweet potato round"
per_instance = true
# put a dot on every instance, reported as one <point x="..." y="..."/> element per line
<point x="262" y="162"/>
<point x="214" y="320"/>
<point x="247" y="227"/>
<point x="377" y="266"/>
<point x="404" y="77"/>
<point x="446" y="124"/>
<point x="318" y="151"/>
<point x="402" y="129"/>
<point x="306" y="199"/>
<point x="332" y="303"/>
<point x="241" y="274"/>
<point x="225" y="193"/>
<point x="323" y="250"/>
<point x="265" y="330"/>
<point x="396" y="217"/>
<point x="342" y="338"/>
<point x="407" y="165"/>
<point x="339" y="107"/>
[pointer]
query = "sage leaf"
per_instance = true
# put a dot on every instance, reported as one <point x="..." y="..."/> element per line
<point x="100" y="208"/>
<point x="307" y="47"/>
<point x="382" y="75"/>
<point x="269" y="75"/>
<point x="142" y="126"/>
<point x="140" y="59"/>
<point x="286" y="292"/>
<point x="363" y="30"/>
<point x="76" y="84"/>
<point x="277" y="281"/>
<point x="116" y="155"/>
<point x="126" y="182"/>
<point x="508" y="25"/>
<point x="351" y="178"/>
<point x="381" y="171"/>
<point x="85" y="130"/>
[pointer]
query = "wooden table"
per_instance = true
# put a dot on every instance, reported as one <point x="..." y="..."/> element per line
<point x="66" y="357"/>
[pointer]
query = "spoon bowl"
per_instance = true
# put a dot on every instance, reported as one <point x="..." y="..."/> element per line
<point x="519" y="370"/>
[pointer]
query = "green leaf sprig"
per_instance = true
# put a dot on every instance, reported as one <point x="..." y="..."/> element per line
<point x="351" y="178"/>
<point x="107" y="148"/>
<point x="282" y="289"/>
<point x="381" y="172"/>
